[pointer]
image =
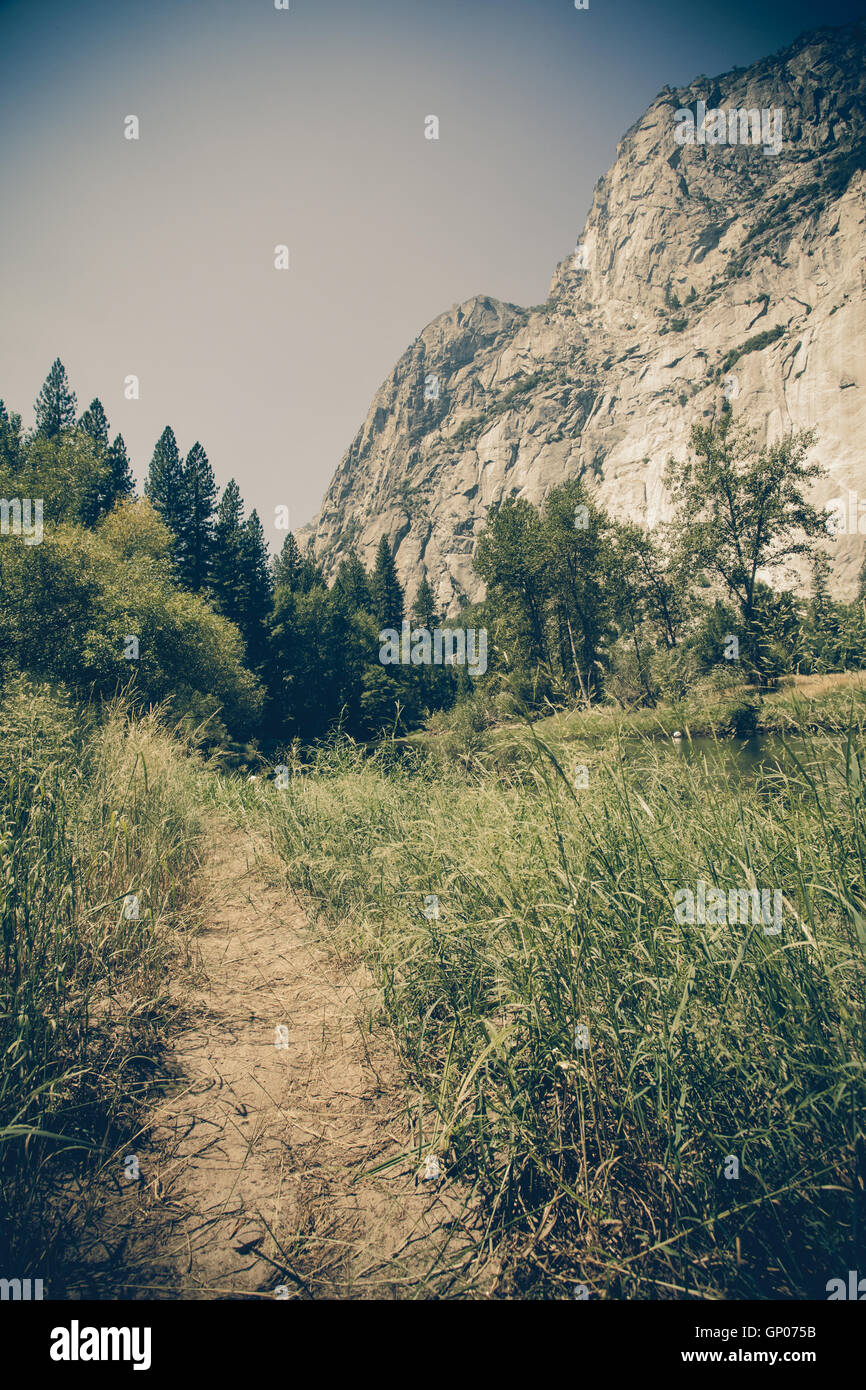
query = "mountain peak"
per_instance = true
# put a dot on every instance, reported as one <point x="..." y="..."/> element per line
<point x="725" y="241"/>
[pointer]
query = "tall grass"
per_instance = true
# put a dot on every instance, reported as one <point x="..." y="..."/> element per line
<point x="606" y="1165"/>
<point x="92" y="812"/>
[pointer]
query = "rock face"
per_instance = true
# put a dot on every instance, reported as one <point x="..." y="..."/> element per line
<point x="705" y="271"/>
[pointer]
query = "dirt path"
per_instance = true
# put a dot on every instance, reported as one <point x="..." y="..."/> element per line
<point x="261" y="1160"/>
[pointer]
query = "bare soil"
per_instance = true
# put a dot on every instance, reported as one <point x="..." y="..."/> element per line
<point x="282" y="1163"/>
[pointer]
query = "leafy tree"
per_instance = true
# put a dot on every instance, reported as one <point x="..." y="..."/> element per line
<point x="386" y="592"/>
<point x="650" y="585"/>
<point x="510" y="557"/>
<point x="576" y="556"/>
<point x="70" y="603"/>
<point x="68" y="471"/>
<point x="742" y="510"/>
<point x="55" y="404"/>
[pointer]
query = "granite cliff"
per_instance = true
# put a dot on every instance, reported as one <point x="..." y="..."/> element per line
<point x="720" y="259"/>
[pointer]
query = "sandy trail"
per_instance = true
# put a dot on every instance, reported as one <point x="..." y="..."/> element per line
<point x="259" y="1167"/>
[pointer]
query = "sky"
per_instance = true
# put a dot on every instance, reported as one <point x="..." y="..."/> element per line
<point x="305" y="127"/>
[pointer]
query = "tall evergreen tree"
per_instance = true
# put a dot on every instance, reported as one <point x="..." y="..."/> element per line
<point x="310" y="575"/>
<point x="288" y="565"/>
<point x="11" y="440"/>
<point x="386" y="592"/>
<point x="424" y="607"/>
<point x="113" y="477"/>
<point x="257" y="590"/>
<point x="198" y="525"/>
<point x="227" y="567"/>
<point x="352" y="586"/>
<point x="165" y="487"/>
<point x="95" y="423"/>
<point x="241" y="573"/>
<point x="55" y="404"/>
<point x="120" y="480"/>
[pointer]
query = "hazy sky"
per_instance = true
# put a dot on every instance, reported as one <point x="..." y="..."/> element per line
<point x="258" y="127"/>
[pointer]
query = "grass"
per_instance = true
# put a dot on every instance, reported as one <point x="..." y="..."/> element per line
<point x="607" y="1164"/>
<point x="593" y="1068"/>
<point x="92" y="812"/>
<point x="799" y="703"/>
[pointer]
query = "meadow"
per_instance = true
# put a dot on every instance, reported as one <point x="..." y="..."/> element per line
<point x="642" y="1108"/>
<point x="100" y="845"/>
<point x="632" y="1106"/>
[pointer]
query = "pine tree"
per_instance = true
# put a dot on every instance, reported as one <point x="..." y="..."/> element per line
<point x="352" y="586"/>
<point x="164" y="484"/>
<point x="113" y="478"/>
<point x="287" y="566"/>
<point x="241" y="573"/>
<point x="120" y="481"/>
<point x="257" y="589"/>
<point x="226" y="569"/>
<point x="386" y="592"/>
<point x="95" y="423"/>
<point x="310" y="575"/>
<point x="11" y="440"/>
<point x="165" y="488"/>
<point x="55" y="404"/>
<point x="424" y="608"/>
<point x="198" y="526"/>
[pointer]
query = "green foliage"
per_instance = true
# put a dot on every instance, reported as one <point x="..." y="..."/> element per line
<point x="741" y="511"/>
<point x="754" y="344"/>
<point x="197" y="523"/>
<point x="94" y="422"/>
<point x="287" y="565"/>
<point x="68" y="471"/>
<point x="386" y="592"/>
<point x="69" y="604"/>
<point x="90" y="812"/>
<point x="55" y="404"/>
<point x="424" y="605"/>
<point x="164" y="486"/>
<point x="352" y="585"/>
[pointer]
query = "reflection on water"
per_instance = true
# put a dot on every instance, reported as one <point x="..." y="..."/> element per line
<point x="738" y="758"/>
